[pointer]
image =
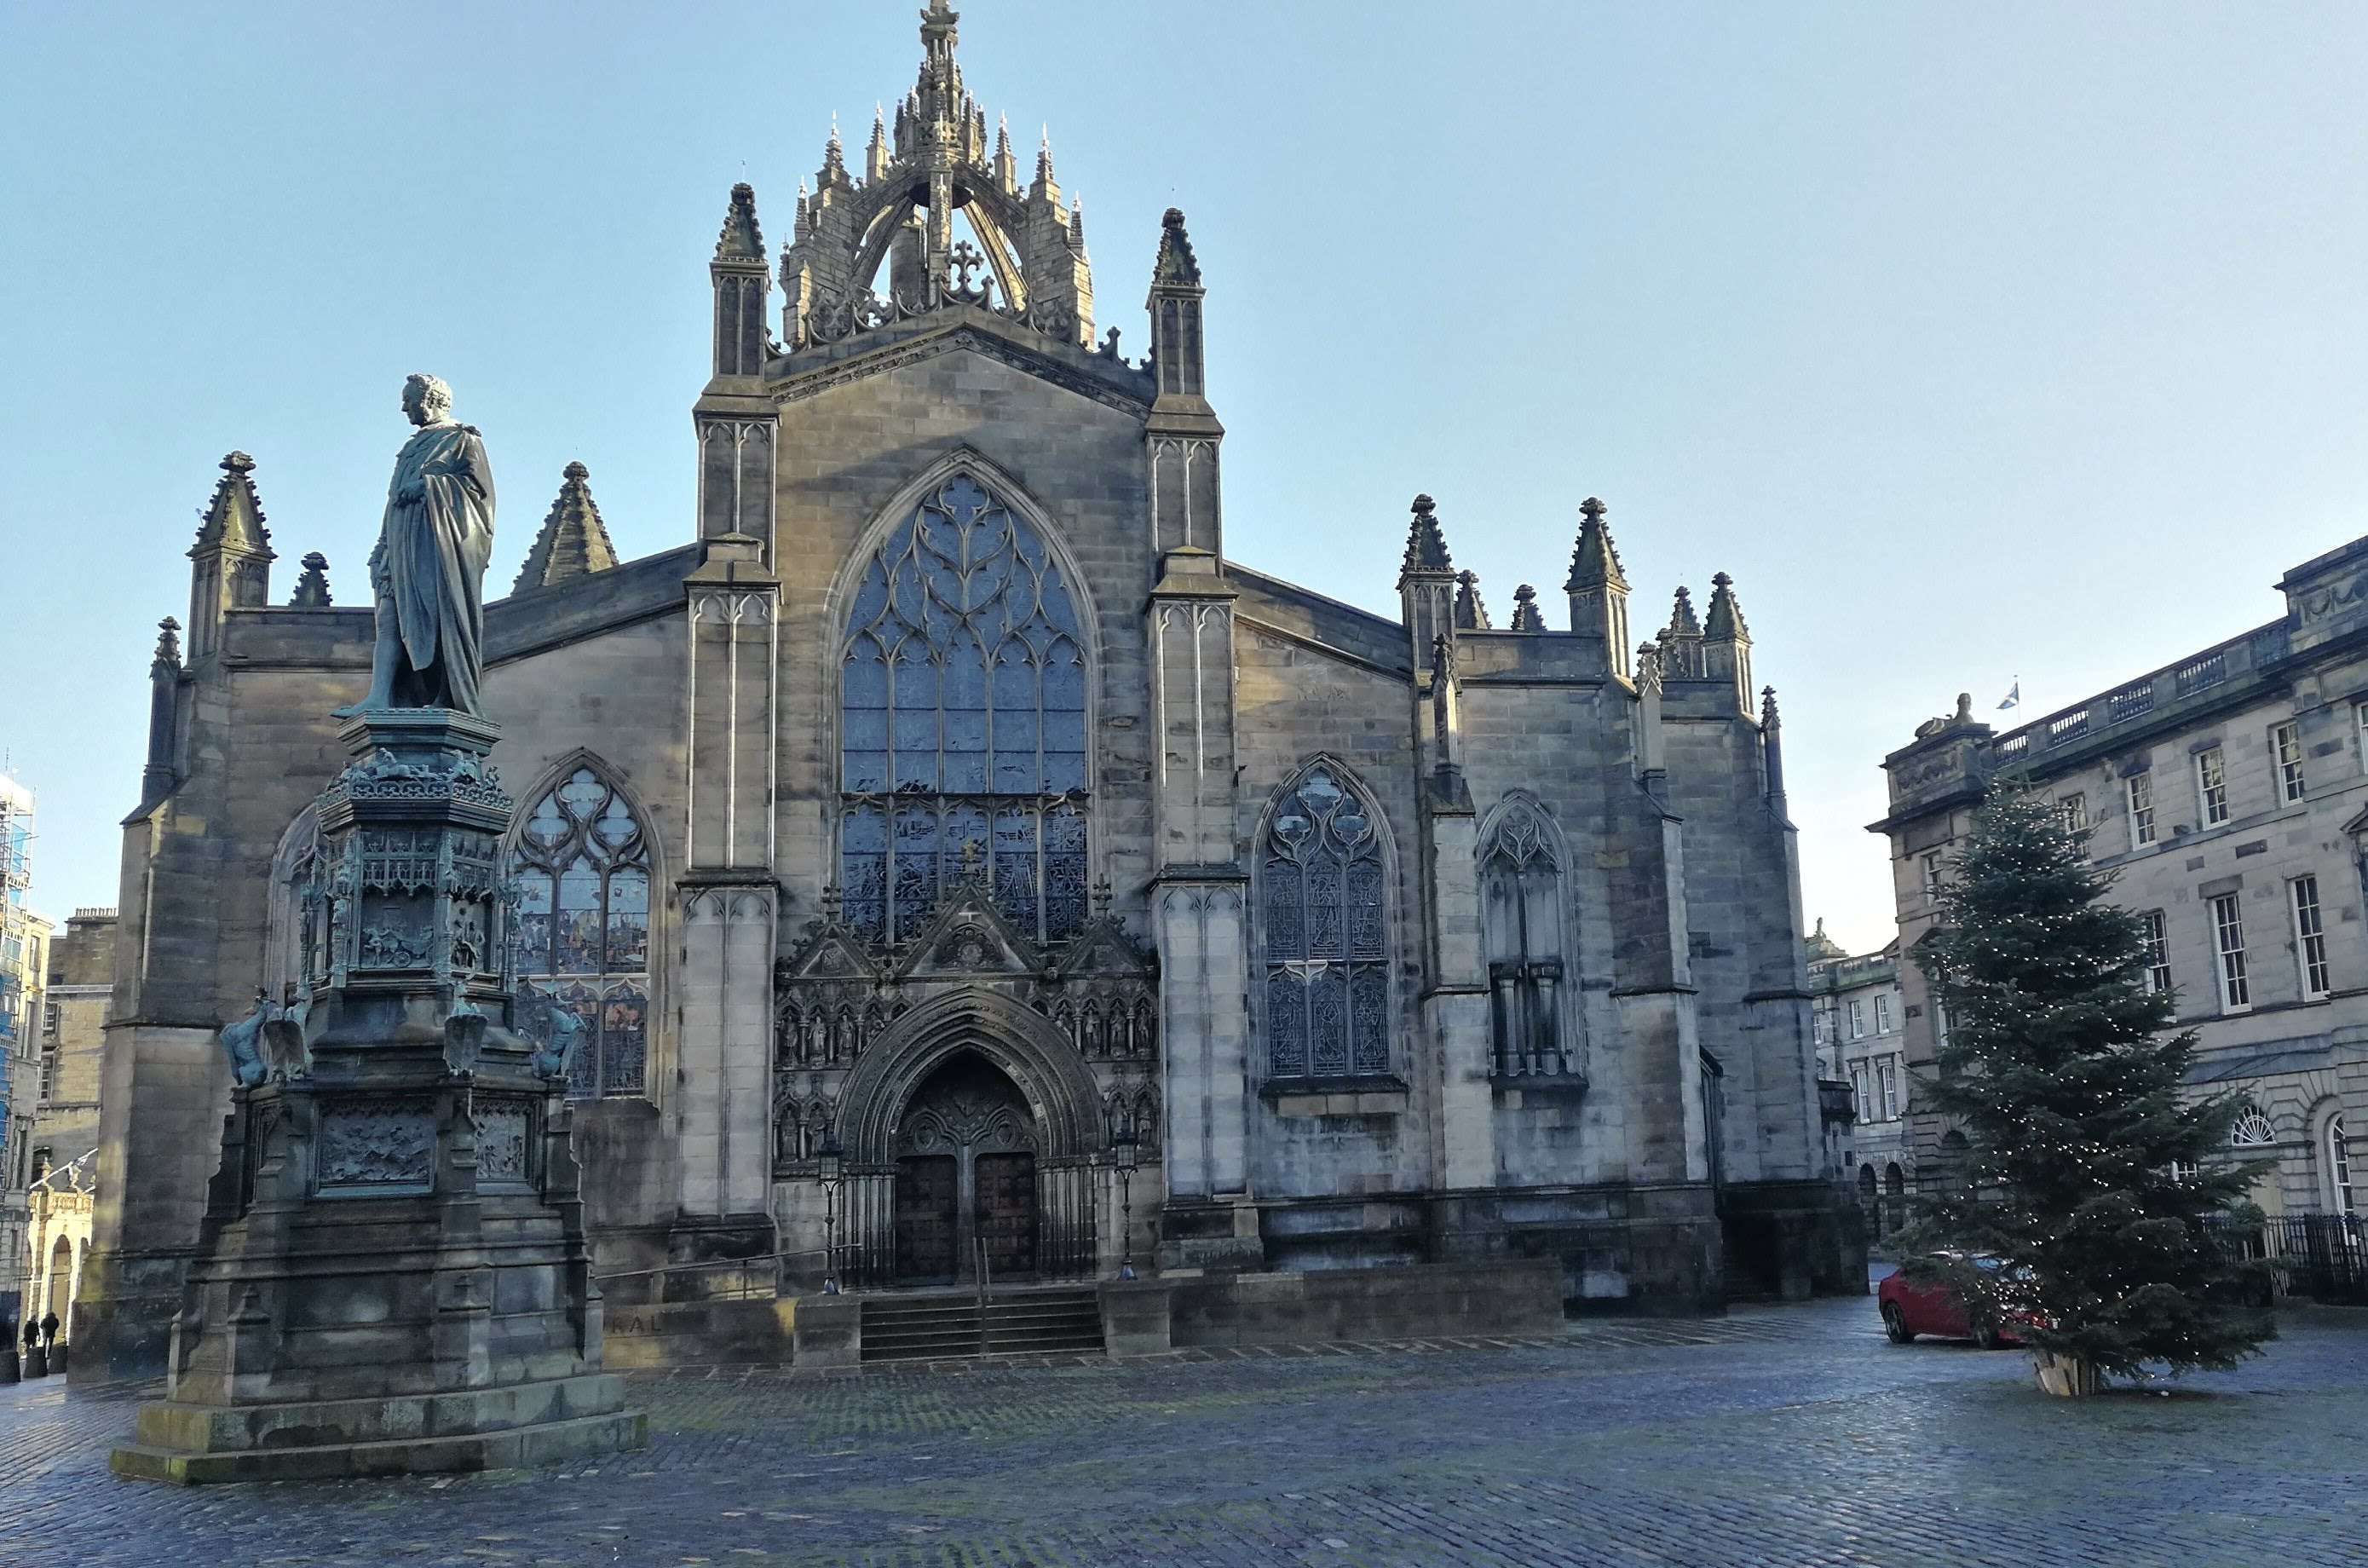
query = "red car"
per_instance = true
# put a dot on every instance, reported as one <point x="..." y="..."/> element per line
<point x="1909" y="1309"/>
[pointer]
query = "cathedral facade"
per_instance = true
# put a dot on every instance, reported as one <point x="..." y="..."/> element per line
<point x="952" y="815"/>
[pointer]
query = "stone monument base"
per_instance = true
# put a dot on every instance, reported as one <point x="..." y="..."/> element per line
<point x="496" y="1428"/>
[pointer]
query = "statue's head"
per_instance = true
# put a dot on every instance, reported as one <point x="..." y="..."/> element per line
<point x="426" y="398"/>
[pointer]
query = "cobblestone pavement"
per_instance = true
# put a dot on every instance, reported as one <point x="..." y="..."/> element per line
<point x="1780" y="1436"/>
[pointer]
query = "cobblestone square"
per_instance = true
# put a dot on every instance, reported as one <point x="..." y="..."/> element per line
<point x="1778" y="1436"/>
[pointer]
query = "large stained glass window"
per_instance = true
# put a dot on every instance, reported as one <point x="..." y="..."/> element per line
<point x="583" y="937"/>
<point x="1327" y="930"/>
<point x="962" y="722"/>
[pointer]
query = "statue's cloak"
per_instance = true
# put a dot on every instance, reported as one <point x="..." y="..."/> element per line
<point x="430" y="564"/>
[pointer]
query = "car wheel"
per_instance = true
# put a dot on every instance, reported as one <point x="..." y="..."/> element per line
<point x="1896" y="1325"/>
<point x="1986" y="1338"/>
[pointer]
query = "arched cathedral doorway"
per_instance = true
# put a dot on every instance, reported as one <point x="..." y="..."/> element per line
<point x="966" y="1147"/>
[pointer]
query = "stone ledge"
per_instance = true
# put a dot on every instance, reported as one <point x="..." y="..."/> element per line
<point x="546" y="1443"/>
<point x="1379" y="1095"/>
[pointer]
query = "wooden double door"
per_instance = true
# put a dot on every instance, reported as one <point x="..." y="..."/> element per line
<point x="965" y="1178"/>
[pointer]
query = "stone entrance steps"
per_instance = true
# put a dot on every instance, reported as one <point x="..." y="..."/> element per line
<point x="948" y="1327"/>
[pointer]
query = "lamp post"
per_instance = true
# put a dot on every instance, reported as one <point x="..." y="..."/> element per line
<point x="1124" y="1152"/>
<point x="831" y="1166"/>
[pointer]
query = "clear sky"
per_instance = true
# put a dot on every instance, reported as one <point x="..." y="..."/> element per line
<point x="1974" y="341"/>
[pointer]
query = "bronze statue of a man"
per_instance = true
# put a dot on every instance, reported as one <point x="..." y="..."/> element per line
<point x="429" y="566"/>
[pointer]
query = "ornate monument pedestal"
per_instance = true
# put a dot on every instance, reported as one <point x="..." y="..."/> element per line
<point x="395" y="1275"/>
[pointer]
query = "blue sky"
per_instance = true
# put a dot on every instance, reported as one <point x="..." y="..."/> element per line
<point x="1974" y="341"/>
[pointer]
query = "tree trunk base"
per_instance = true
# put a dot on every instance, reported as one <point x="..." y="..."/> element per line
<point x="2067" y="1377"/>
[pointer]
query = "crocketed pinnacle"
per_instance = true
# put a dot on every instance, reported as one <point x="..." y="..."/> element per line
<point x="1682" y="623"/>
<point x="573" y="542"/>
<point x="1471" y="614"/>
<point x="1176" y="262"/>
<point x="168" y="642"/>
<point x="232" y="518"/>
<point x="1725" y="616"/>
<point x="1594" y="561"/>
<point x="313" y="585"/>
<point x="1525" y="610"/>
<point x="741" y="240"/>
<point x="1425" y="547"/>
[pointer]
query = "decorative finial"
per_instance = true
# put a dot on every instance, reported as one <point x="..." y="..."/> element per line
<point x="1102" y="896"/>
<point x="1592" y="508"/>
<point x="1768" y="718"/>
<point x="1525" y="609"/>
<point x="832" y="900"/>
<point x="1425" y="547"/>
<point x="1176" y="264"/>
<point x="313" y="585"/>
<point x="973" y="858"/>
<point x="238" y="462"/>
<point x="168" y="641"/>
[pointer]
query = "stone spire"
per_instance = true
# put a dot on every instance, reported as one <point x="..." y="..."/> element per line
<point x="157" y="776"/>
<point x="1682" y="621"/>
<point x="1726" y="615"/>
<point x="1425" y="547"/>
<point x="1045" y="184"/>
<point x="1525" y="610"/>
<point x="1598" y="588"/>
<point x="313" y="587"/>
<point x="741" y="240"/>
<point x="1078" y="223"/>
<point x="1007" y="167"/>
<point x="875" y="152"/>
<point x="1471" y="614"/>
<point x="1771" y="744"/>
<point x="230" y="564"/>
<point x="1176" y="262"/>
<point x="1681" y="641"/>
<point x="573" y="542"/>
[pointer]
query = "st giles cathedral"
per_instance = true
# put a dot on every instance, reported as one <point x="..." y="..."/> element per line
<point x="958" y="807"/>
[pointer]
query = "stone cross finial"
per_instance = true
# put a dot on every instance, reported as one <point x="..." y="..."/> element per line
<point x="973" y="858"/>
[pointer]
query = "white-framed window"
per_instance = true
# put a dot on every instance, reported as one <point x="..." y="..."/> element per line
<point x="2141" y="786"/>
<point x="2339" y="1167"/>
<point x="1888" y="1077"/>
<point x="2075" y="810"/>
<point x="2185" y="1170"/>
<point x="1858" y="1100"/>
<point x="2228" y="932"/>
<point x="1858" y="1018"/>
<point x="2158" y="950"/>
<point x="2360" y="728"/>
<point x="1822" y="1025"/>
<point x="2212" y="786"/>
<point x="1881" y="1014"/>
<point x="1932" y="874"/>
<point x="2252" y="1130"/>
<point x="1940" y="1023"/>
<point x="2285" y="741"/>
<point x="2310" y="938"/>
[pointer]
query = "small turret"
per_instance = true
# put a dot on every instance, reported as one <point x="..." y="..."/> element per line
<point x="1598" y="588"/>
<point x="741" y="284"/>
<point x="1425" y="584"/>
<point x="1175" y="305"/>
<point x="1726" y="642"/>
<point x="1681" y="641"/>
<point x="231" y="561"/>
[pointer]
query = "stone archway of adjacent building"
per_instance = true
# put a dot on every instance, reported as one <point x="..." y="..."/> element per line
<point x="970" y="1130"/>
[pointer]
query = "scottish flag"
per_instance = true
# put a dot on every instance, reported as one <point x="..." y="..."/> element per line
<point x="2013" y="696"/>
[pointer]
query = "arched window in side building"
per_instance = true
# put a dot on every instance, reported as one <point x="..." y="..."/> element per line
<point x="583" y="937"/>
<point x="962" y="721"/>
<point x="1324" y="913"/>
<point x="1521" y="914"/>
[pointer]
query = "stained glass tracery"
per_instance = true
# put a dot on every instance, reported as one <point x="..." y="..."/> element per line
<point x="962" y="722"/>
<point x="583" y="931"/>
<point x="1328" y="984"/>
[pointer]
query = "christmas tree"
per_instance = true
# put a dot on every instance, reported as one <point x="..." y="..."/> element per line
<point x="2087" y="1176"/>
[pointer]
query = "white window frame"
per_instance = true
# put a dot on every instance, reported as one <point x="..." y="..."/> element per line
<point x="2310" y="938"/>
<point x="2360" y="730"/>
<point x="2228" y="940"/>
<point x="1857" y="1018"/>
<point x="1886" y="1077"/>
<point x="2212" y="786"/>
<point x="1882" y="1013"/>
<point x="2140" y="794"/>
<point x="2157" y="944"/>
<point x="1932" y="874"/>
<point x="2343" y="1196"/>
<point x="2285" y="749"/>
<point x="1859" y="1097"/>
<point x="2075" y="810"/>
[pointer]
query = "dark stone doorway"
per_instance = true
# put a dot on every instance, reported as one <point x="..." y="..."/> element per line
<point x="965" y="1175"/>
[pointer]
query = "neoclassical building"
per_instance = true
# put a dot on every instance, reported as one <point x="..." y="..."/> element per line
<point x="953" y="801"/>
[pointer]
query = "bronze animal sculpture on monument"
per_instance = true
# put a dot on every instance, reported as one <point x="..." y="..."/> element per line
<point x="428" y="569"/>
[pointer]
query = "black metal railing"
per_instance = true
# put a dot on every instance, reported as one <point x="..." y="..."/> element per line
<point x="2324" y="1256"/>
<point x="1070" y="1195"/>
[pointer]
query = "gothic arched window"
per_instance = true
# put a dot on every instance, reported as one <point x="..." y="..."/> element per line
<point x="1520" y="906"/>
<point x="962" y="722"/>
<point x="1326" y="929"/>
<point x="582" y="935"/>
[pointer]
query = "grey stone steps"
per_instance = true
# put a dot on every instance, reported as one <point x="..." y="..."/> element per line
<point x="947" y="1328"/>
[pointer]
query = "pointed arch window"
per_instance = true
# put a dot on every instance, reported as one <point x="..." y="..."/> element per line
<point x="962" y="722"/>
<point x="1327" y="933"/>
<point x="1521" y="915"/>
<point x="582" y="939"/>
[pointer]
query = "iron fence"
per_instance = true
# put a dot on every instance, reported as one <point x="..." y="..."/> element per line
<point x="2324" y="1256"/>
